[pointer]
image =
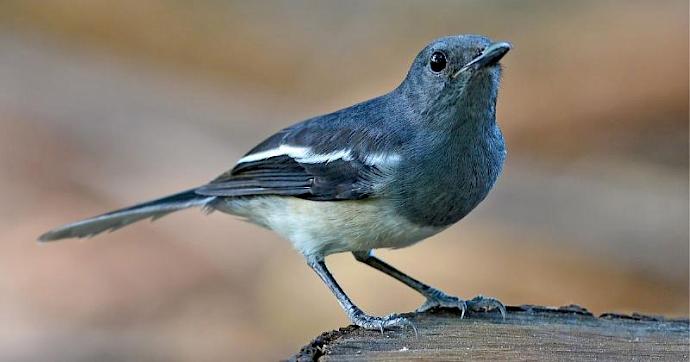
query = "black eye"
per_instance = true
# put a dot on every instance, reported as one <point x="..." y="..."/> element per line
<point x="438" y="62"/>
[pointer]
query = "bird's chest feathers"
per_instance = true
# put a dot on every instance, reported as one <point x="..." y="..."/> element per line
<point x="449" y="182"/>
<point x="467" y="175"/>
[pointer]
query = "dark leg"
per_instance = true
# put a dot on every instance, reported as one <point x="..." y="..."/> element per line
<point x="434" y="297"/>
<point x="353" y="312"/>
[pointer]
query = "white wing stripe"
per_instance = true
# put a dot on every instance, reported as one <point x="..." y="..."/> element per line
<point x="345" y="155"/>
<point x="300" y="154"/>
<point x="292" y="151"/>
<point x="304" y="155"/>
<point x="382" y="159"/>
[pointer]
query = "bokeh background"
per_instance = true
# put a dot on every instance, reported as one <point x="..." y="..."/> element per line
<point x="104" y="104"/>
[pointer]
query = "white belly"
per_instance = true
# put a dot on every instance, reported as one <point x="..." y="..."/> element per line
<point x="320" y="228"/>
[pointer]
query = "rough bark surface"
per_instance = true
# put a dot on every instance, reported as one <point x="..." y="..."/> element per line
<point x="527" y="333"/>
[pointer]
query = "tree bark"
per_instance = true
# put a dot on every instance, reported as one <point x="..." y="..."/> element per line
<point x="527" y="333"/>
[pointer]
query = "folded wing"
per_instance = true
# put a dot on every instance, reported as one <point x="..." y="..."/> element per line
<point x="326" y="166"/>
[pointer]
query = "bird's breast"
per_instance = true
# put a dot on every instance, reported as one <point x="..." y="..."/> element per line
<point x="441" y="187"/>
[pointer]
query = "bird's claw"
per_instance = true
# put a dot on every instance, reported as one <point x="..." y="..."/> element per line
<point x="382" y="323"/>
<point x="481" y="303"/>
<point x="477" y="304"/>
<point x="441" y="300"/>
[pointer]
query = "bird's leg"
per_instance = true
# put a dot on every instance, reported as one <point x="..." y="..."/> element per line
<point x="356" y="315"/>
<point x="434" y="297"/>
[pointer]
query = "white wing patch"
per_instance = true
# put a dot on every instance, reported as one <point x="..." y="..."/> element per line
<point x="305" y="155"/>
<point x="300" y="154"/>
<point x="345" y="155"/>
<point x="292" y="151"/>
<point x="382" y="159"/>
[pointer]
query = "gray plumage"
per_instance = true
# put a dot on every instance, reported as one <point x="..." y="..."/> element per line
<point x="386" y="172"/>
<point x="119" y="218"/>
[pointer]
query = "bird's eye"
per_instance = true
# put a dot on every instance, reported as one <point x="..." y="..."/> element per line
<point x="438" y="62"/>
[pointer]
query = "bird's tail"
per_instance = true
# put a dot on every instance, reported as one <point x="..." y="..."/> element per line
<point x="123" y="217"/>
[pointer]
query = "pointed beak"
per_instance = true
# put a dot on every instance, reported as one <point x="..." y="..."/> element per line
<point x="490" y="56"/>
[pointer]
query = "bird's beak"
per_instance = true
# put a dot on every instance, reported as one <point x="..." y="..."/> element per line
<point x="491" y="55"/>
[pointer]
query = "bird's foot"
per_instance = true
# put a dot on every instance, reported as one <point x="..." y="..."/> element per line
<point x="481" y="303"/>
<point x="438" y="299"/>
<point x="381" y="323"/>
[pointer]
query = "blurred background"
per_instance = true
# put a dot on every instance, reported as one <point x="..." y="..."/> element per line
<point x="104" y="104"/>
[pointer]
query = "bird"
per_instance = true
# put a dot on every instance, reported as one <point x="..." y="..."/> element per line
<point x="384" y="173"/>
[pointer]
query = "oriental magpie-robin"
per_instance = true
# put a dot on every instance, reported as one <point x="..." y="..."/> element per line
<point x="384" y="173"/>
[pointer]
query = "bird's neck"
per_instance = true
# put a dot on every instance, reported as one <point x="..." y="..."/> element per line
<point x="468" y="109"/>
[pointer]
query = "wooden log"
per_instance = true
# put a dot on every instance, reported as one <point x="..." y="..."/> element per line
<point x="528" y="333"/>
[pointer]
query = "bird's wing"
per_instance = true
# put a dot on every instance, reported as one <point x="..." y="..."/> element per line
<point x="312" y="160"/>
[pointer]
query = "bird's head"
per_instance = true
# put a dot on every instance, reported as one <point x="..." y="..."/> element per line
<point x="456" y="71"/>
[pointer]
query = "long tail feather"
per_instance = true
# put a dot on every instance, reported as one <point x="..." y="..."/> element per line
<point x="123" y="217"/>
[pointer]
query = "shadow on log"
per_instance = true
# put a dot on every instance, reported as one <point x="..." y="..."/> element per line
<point x="527" y="333"/>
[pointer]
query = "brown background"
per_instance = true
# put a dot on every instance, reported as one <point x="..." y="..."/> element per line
<point x="103" y="104"/>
